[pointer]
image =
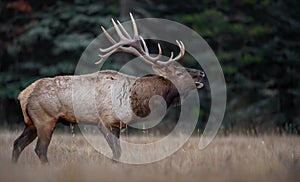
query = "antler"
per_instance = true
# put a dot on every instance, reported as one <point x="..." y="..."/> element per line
<point x="133" y="46"/>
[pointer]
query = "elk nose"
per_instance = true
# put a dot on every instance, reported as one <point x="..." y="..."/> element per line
<point x="202" y="74"/>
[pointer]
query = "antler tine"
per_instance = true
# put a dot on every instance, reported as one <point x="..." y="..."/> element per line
<point x="108" y="36"/>
<point x="122" y="37"/>
<point x="159" y="52"/>
<point x="115" y="46"/>
<point x="144" y="45"/>
<point x="171" y="57"/>
<point x="159" y="49"/>
<point x="107" y="54"/>
<point x="182" y="48"/>
<point x="134" y="27"/>
<point x="103" y="57"/>
<point x="124" y="30"/>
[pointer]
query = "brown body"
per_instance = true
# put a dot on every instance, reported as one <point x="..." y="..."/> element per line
<point x="108" y="99"/>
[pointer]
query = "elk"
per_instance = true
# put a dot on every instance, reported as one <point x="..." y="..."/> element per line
<point x="49" y="100"/>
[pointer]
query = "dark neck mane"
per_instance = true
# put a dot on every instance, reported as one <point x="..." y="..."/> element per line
<point x="146" y="87"/>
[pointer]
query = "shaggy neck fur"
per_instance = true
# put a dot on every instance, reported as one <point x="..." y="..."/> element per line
<point x="145" y="88"/>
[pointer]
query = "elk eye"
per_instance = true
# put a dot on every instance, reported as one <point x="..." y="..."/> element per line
<point x="179" y="74"/>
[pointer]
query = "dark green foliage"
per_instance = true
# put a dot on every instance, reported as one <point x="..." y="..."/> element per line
<point x="257" y="43"/>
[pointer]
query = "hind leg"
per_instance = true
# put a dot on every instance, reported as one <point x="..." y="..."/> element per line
<point x="44" y="137"/>
<point x="28" y="135"/>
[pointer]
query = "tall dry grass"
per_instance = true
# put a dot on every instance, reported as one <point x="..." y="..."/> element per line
<point x="233" y="158"/>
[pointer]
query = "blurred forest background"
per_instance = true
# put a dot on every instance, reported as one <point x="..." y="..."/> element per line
<point x="256" y="42"/>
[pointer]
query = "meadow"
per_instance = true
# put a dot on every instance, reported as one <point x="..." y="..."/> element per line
<point x="230" y="158"/>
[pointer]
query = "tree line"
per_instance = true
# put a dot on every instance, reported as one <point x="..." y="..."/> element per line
<point x="256" y="42"/>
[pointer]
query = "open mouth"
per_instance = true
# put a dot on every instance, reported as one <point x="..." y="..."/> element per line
<point x="198" y="78"/>
<point x="199" y="84"/>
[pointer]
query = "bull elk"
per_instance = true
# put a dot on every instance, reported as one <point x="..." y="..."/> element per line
<point x="49" y="100"/>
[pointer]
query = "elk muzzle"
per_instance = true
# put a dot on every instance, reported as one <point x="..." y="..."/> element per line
<point x="197" y="76"/>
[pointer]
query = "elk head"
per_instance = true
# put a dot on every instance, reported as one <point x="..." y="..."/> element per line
<point x="138" y="47"/>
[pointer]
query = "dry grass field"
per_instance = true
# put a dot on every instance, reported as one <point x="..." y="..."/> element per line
<point x="233" y="158"/>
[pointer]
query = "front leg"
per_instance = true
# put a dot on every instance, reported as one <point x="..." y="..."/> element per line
<point x="112" y="135"/>
<point x="116" y="143"/>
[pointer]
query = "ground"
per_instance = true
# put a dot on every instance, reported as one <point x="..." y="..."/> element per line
<point x="232" y="158"/>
